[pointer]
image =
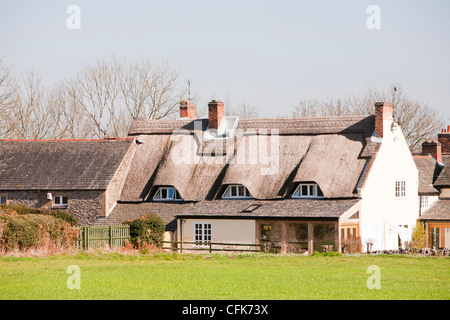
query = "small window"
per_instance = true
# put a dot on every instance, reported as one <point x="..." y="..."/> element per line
<point x="2" y="199"/>
<point x="202" y="233"/>
<point x="424" y="203"/>
<point x="400" y="189"/>
<point x="60" y="201"/>
<point x="307" y="190"/>
<point x="167" y="194"/>
<point x="236" y="191"/>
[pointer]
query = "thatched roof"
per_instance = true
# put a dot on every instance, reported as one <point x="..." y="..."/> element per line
<point x="60" y="164"/>
<point x="428" y="171"/>
<point x="440" y="210"/>
<point x="264" y="209"/>
<point x="332" y="151"/>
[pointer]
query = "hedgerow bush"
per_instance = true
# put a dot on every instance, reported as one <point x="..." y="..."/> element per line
<point x="21" y="210"/>
<point x="32" y="231"/>
<point x="148" y="229"/>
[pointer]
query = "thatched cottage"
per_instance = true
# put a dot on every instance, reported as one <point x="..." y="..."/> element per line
<point x="342" y="183"/>
<point x="331" y="183"/>
<point x="434" y="189"/>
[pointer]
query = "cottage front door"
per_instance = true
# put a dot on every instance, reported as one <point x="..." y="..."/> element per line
<point x="350" y="239"/>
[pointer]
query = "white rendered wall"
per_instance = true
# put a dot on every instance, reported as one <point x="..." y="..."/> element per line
<point x="222" y="230"/>
<point x="379" y="206"/>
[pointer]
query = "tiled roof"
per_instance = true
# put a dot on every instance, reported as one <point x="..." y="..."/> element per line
<point x="440" y="210"/>
<point x="287" y="208"/>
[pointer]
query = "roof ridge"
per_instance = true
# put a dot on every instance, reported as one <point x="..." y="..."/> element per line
<point x="67" y="140"/>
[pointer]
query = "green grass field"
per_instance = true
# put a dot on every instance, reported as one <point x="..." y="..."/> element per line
<point x="258" y="276"/>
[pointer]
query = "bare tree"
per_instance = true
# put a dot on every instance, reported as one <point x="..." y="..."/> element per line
<point x="418" y="120"/>
<point x="8" y="98"/>
<point x="150" y="91"/>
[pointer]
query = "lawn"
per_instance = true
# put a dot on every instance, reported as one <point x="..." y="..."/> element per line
<point x="243" y="277"/>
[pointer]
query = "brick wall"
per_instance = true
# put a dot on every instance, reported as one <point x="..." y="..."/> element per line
<point x="444" y="139"/>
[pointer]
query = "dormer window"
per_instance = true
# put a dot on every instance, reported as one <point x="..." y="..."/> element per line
<point x="307" y="190"/>
<point x="167" y="194"/>
<point x="236" y="191"/>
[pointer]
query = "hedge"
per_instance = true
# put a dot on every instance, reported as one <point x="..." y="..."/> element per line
<point x="148" y="229"/>
<point x="33" y="230"/>
<point x="23" y="210"/>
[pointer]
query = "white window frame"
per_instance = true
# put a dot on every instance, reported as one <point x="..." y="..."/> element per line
<point x="5" y="197"/>
<point x="312" y="191"/>
<point x="58" y="201"/>
<point x="400" y="189"/>
<point x="424" y="203"/>
<point x="236" y="191"/>
<point x="171" y="193"/>
<point x="202" y="233"/>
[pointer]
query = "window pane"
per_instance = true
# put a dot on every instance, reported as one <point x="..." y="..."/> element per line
<point x="233" y="191"/>
<point x="319" y="192"/>
<point x="304" y="191"/>
<point x="170" y="193"/>
<point x="312" y="191"/>
<point x="2" y="200"/>
<point x="64" y="200"/>
<point x="241" y="191"/>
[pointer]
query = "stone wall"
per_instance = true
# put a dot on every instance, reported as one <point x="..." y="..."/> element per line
<point x="86" y="205"/>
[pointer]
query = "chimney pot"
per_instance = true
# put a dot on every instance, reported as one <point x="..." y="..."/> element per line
<point x="444" y="139"/>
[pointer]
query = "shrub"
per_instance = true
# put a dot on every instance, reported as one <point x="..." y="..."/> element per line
<point x="27" y="231"/>
<point x="22" y="210"/>
<point x="418" y="238"/>
<point x="147" y="230"/>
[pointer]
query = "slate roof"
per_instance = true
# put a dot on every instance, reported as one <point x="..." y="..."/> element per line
<point x="443" y="179"/>
<point x="428" y="171"/>
<point x="130" y="211"/>
<point x="440" y="210"/>
<point x="287" y="208"/>
<point x="60" y="164"/>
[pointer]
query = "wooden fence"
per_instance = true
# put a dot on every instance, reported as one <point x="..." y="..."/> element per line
<point x="95" y="237"/>
<point x="212" y="246"/>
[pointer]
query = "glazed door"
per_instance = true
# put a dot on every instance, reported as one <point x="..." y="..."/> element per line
<point x="350" y="239"/>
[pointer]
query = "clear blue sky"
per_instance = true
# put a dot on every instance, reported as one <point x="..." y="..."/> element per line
<point x="269" y="54"/>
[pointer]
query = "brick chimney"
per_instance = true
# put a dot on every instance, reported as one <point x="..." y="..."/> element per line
<point x="215" y="108"/>
<point x="383" y="111"/>
<point x="187" y="109"/>
<point x="432" y="148"/>
<point x="444" y="139"/>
